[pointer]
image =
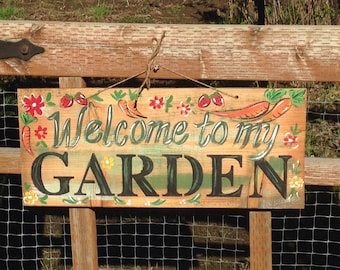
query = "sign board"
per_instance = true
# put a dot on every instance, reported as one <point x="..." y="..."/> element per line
<point x="164" y="147"/>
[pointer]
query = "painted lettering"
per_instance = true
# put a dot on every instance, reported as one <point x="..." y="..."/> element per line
<point x="98" y="174"/>
<point x="217" y="176"/>
<point x="37" y="177"/>
<point x="66" y="130"/>
<point x="212" y="137"/>
<point x="92" y="133"/>
<point x="272" y="175"/>
<point x="246" y="130"/>
<point x="139" y="178"/>
<point x="197" y="175"/>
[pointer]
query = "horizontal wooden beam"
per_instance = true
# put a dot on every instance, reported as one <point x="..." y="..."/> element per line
<point x="318" y="171"/>
<point x="212" y="52"/>
<point x="322" y="172"/>
<point x="10" y="160"/>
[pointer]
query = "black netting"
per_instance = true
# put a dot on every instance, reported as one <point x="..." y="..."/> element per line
<point x="217" y="239"/>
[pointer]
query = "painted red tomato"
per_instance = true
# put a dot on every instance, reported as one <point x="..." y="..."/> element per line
<point x="66" y="101"/>
<point x="218" y="99"/>
<point x="80" y="99"/>
<point x="204" y="101"/>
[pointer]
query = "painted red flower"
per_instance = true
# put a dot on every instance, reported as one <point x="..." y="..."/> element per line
<point x="156" y="103"/>
<point x="185" y="109"/>
<point x="290" y="140"/>
<point x="33" y="105"/>
<point x="40" y="132"/>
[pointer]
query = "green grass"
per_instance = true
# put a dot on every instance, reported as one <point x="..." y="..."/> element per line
<point x="100" y="12"/>
<point x="177" y="8"/>
<point x="11" y="12"/>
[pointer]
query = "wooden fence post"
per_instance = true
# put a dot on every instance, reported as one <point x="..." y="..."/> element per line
<point x="260" y="234"/>
<point x="82" y="220"/>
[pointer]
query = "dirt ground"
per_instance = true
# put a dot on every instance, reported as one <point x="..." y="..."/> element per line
<point x="177" y="11"/>
<point x="139" y="11"/>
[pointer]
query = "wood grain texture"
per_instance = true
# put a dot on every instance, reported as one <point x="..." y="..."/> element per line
<point x="322" y="172"/>
<point x="82" y="221"/>
<point x="11" y="158"/>
<point x="223" y="52"/>
<point x="84" y="238"/>
<point x="318" y="171"/>
<point x="260" y="237"/>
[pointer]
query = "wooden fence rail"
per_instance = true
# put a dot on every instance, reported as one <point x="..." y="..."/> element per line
<point x="318" y="171"/>
<point x="204" y="52"/>
<point x="212" y="52"/>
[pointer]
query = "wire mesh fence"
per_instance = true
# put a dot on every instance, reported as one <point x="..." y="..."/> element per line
<point x="39" y="238"/>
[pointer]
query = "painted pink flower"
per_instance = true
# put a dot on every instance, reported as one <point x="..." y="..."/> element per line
<point x="290" y="140"/>
<point x="156" y="103"/>
<point x="33" y="105"/>
<point x="41" y="132"/>
<point x="185" y="109"/>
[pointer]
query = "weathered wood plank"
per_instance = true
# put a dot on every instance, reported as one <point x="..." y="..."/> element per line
<point x="260" y="240"/>
<point x="322" y="171"/>
<point x="84" y="238"/>
<point x="82" y="221"/>
<point x="318" y="171"/>
<point x="184" y="123"/>
<point x="10" y="160"/>
<point x="223" y="52"/>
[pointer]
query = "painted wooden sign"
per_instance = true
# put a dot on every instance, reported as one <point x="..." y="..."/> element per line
<point x="164" y="147"/>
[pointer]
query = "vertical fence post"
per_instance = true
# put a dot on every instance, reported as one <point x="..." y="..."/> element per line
<point x="260" y="234"/>
<point x="82" y="220"/>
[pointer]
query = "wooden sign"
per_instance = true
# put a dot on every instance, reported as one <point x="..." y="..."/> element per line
<point x="164" y="147"/>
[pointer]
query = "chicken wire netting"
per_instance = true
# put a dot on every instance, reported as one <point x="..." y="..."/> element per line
<point x="39" y="238"/>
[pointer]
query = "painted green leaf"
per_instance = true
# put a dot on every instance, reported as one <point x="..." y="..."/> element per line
<point x="43" y="144"/>
<point x="297" y="97"/>
<point x="97" y="98"/>
<point x="85" y="200"/>
<point x="168" y="103"/>
<point x="195" y="199"/>
<point x="27" y="119"/>
<point x="294" y="130"/>
<point x="118" y="201"/>
<point x="27" y="186"/>
<point x="118" y="95"/>
<point x="195" y="202"/>
<point x="43" y="199"/>
<point x="133" y="94"/>
<point x="274" y="95"/>
<point x="158" y="202"/>
<point x="296" y="169"/>
<point x="51" y="104"/>
<point x="69" y="201"/>
<point x="48" y="97"/>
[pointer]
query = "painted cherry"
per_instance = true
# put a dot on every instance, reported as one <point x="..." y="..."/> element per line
<point x="80" y="99"/>
<point x="204" y="101"/>
<point x="217" y="99"/>
<point x="66" y="101"/>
